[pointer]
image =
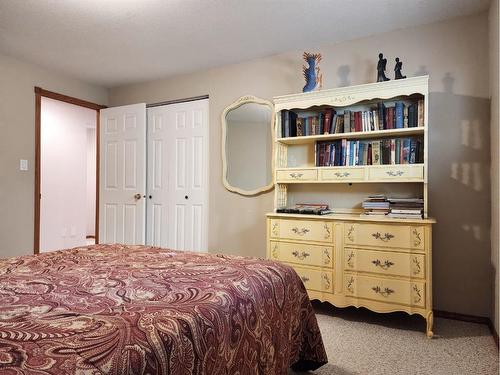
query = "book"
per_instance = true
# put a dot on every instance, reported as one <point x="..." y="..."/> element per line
<point x="393" y="151"/>
<point x="306" y="209"/>
<point x="286" y="122"/>
<point x="390" y="118"/>
<point x="399" y="122"/>
<point x="292" y="121"/>
<point x="398" y="151"/>
<point x="406" y="151"/>
<point x="405" y="116"/>
<point x="300" y="126"/>
<point x="376" y="205"/>
<point x="347" y="121"/>
<point x="413" y="151"/>
<point x="420" y="113"/>
<point x="282" y="113"/>
<point x="412" y="121"/>
<point x="328" y="121"/>
<point x="313" y="121"/>
<point x="403" y="211"/>
<point x="376" y="152"/>
<point x="404" y="216"/>
<point x="381" y="115"/>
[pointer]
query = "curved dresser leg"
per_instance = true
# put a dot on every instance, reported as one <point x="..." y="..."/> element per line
<point x="430" y="321"/>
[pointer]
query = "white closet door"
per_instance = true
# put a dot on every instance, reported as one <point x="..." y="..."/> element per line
<point x="178" y="175"/>
<point x="122" y="174"/>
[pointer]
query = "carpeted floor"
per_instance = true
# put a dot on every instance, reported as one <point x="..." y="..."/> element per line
<point x="358" y="341"/>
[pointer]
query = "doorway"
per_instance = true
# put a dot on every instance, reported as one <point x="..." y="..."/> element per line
<point x="66" y="172"/>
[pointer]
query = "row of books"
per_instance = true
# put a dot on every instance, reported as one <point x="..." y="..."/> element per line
<point x="329" y="121"/>
<point x="401" y="208"/>
<point x="306" y="209"/>
<point x="374" y="152"/>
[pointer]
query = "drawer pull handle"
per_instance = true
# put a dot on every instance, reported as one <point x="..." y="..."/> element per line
<point x="386" y="237"/>
<point x="296" y="175"/>
<point x="303" y="255"/>
<point x="326" y="259"/>
<point x="275" y="229"/>
<point x="301" y="231"/>
<point x="350" y="234"/>
<point x="342" y="174"/>
<point x="385" y="266"/>
<point x="350" y="259"/>
<point x="416" y="240"/>
<point x="304" y="279"/>
<point x="417" y="297"/>
<point x="385" y="293"/>
<point x="395" y="173"/>
<point x="350" y="285"/>
<point x="326" y="281"/>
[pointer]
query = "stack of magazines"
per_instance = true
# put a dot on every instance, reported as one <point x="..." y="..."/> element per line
<point x="306" y="209"/>
<point x="406" y="208"/>
<point x="376" y="205"/>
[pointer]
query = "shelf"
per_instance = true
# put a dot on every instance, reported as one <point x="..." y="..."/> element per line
<point x="404" y="132"/>
<point x="346" y="96"/>
<point x="353" y="174"/>
<point x="353" y="217"/>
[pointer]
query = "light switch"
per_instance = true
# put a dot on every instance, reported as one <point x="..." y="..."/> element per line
<point x="23" y="165"/>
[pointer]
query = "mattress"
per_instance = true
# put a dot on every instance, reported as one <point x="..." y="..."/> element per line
<point x="116" y="309"/>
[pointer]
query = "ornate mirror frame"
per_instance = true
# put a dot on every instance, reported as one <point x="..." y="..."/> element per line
<point x="238" y="103"/>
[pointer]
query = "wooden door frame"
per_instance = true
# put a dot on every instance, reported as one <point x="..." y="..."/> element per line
<point x="39" y="92"/>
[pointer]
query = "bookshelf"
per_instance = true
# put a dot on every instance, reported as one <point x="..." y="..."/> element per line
<point x="348" y="259"/>
<point x="359" y="97"/>
<point x="404" y="132"/>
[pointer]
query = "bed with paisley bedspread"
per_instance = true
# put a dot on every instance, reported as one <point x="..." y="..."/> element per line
<point x="116" y="309"/>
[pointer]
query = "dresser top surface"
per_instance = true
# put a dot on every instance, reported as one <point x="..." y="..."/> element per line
<point x="353" y="217"/>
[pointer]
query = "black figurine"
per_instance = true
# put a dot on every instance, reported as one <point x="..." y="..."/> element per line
<point x="381" y="68"/>
<point x="397" y="69"/>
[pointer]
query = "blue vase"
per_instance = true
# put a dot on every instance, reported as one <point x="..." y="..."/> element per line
<point x="310" y="72"/>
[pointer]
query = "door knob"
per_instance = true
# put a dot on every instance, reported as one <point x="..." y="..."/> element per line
<point x="137" y="196"/>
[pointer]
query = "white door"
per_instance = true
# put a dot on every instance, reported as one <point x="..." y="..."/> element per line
<point x="122" y="174"/>
<point x="178" y="176"/>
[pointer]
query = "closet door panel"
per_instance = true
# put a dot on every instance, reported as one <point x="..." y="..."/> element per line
<point x="178" y="175"/>
<point x="122" y="174"/>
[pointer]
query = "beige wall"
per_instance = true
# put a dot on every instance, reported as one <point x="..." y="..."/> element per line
<point x="455" y="55"/>
<point x="17" y="141"/>
<point x="494" y="41"/>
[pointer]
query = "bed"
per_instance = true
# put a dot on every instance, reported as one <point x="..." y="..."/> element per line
<point x="116" y="309"/>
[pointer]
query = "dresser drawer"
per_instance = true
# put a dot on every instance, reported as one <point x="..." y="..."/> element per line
<point x="297" y="175"/>
<point x="385" y="290"/>
<point x="384" y="262"/>
<point x="384" y="235"/>
<point x="316" y="279"/>
<point x="302" y="253"/>
<point x="397" y="172"/>
<point x="304" y="230"/>
<point x="339" y="174"/>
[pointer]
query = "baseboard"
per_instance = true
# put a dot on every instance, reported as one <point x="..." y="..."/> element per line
<point x="470" y="319"/>
<point x="493" y="331"/>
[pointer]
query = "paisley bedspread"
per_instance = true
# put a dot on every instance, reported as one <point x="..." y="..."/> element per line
<point x="115" y="309"/>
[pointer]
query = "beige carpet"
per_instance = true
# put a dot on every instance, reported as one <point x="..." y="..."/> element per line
<point x="358" y="341"/>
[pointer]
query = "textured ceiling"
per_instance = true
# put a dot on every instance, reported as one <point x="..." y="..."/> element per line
<point x="115" y="42"/>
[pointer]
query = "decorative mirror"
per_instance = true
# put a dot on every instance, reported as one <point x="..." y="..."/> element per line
<point x="247" y="146"/>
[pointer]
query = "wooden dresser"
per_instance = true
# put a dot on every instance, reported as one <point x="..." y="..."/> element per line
<point x="347" y="258"/>
<point x="349" y="261"/>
